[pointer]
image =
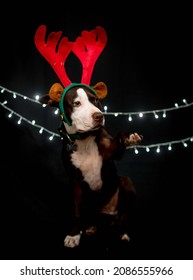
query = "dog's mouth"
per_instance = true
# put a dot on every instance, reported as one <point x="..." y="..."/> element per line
<point x="91" y="129"/>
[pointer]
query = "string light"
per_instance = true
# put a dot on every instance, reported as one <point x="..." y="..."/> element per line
<point x="15" y="94"/>
<point x="159" y="145"/>
<point x="51" y="137"/>
<point x="169" y="147"/>
<point x="158" y="149"/>
<point x="105" y="109"/>
<point x="136" y="150"/>
<point x="130" y="118"/>
<point x="41" y="130"/>
<point x="147" y="149"/>
<point x="29" y="122"/>
<point x="156" y="115"/>
<point x="184" y="100"/>
<point x="130" y="114"/>
<point x="154" y="112"/>
<point x="19" y="121"/>
<point x="185" y="144"/>
<point x="56" y="112"/>
<point x="10" y="115"/>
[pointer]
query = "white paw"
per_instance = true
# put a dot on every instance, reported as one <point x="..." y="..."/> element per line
<point x="125" y="237"/>
<point x="133" y="139"/>
<point x="72" y="241"/>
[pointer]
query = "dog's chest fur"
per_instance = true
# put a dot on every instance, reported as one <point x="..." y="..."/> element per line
<point x="89" y="161"/>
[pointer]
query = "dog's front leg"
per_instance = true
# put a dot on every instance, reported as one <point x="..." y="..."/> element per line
<point x="73" y="239"/>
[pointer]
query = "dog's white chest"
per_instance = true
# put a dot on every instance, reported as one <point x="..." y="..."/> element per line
<point x="89" y="161"/>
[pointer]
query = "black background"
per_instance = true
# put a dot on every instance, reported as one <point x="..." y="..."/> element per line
<point x="146" y="65"/>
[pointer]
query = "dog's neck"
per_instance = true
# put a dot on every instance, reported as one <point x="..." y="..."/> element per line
<point x="75" y="136"/>
<point x="70" y="139"/>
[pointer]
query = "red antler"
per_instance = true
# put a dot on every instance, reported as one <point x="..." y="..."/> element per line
<point x="49" y="50"/>
<point x="87" y="48"/>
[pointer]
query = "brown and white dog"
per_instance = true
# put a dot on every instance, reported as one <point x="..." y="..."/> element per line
<point x="89" y="151"/>
<point x="88" y="154"/>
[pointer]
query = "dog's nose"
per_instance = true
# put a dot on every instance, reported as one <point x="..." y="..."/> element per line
<point x="98" y="117"/>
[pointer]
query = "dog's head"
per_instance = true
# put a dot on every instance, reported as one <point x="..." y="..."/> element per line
<point x="79" y="105"/>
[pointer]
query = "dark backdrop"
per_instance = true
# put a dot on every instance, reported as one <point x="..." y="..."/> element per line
<point x="146" y="65"/>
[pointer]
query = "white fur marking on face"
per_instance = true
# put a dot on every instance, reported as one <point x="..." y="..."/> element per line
<point x="82" y="115"/>
<point x="89" y="161"/>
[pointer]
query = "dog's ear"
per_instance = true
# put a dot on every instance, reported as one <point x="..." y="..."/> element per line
<point x="101" y="90"/>
<point x="54" y="95"/>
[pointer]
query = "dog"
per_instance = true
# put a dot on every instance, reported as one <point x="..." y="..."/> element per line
<point x="89" y="153"/>
<point x="101" y="197"/>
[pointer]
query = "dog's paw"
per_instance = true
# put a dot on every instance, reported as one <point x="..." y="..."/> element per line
<point x="125" y="237"/>
<point x="133" y="139"/>
<point x="72" y="241"/>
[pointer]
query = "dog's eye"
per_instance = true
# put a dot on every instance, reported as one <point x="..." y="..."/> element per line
<point x="76" y="104"/>
<point x="96" y="100"/>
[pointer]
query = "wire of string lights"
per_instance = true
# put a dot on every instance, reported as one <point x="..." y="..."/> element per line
<point x="156" y="113"/>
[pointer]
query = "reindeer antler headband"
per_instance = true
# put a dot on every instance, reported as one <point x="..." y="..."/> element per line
<point x="87" y="48"/>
